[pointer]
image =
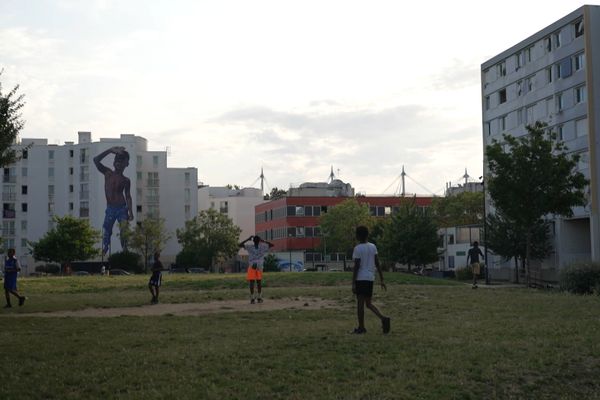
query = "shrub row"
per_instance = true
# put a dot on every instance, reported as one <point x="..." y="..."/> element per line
<point x="581" y="278"/>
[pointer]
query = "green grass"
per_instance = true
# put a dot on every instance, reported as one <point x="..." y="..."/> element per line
<point x="447" y="342"/>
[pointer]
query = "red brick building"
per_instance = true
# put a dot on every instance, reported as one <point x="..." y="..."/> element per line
<point x="292" y="223"/>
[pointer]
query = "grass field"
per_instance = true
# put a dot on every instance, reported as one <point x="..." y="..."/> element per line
<point x="447" y="342"/>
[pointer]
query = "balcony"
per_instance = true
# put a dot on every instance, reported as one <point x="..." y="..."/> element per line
<point x="84" y="195"/>
<point x="152" y="183"/>
<point x="10" y="214"/>
<point x="152" y="199"/>
<point x="84" y="177"/>
<point x="84" y="212"/>
<point x="9" y="179"/>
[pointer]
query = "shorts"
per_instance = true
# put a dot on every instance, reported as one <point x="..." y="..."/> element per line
<point x="10" y="281"/>
<point x="476" y="268"/>
<point x="254" y="274"/>
<point x="155" y="280"/>
<point x="364" y="288"/>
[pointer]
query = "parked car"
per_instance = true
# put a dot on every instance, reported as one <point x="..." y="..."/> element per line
<point x="118" y="271"/>
<point x="81" y="273"/>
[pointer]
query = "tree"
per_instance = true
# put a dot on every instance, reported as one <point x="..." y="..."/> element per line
<point x="127" y="260"/>
<point x="505" y="240"/>
<point x="210" y="233"/>
<point x="271" y="263"/>
<point x="462" y="209"/>
<point x="532" y="176"/>
<point x="410" y="237"/>
<point x="71" y="239"/>
<point x="339" y="224"/>
<point x="148" y="237"/>
<point x="10" y="124"/>
<point x="275" y="194"/>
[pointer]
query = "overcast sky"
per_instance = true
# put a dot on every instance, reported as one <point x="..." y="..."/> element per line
<point x="293" y="86"/>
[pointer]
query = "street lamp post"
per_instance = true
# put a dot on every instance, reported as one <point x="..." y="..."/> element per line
<point x="485" y="250"/>
<point x="290" y="248"/>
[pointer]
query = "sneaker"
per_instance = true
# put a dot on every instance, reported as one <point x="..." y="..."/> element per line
<point x="251" y="301"/>
<point x="260" y="300"/>
<point x="154" y="300"/>
<point x="474" y="286"/>
<point x="359" y="331"/>
<point x="22" y="300"/>
<point x="386" y="325"/>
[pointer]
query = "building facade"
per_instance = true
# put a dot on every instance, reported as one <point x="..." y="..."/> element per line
<point x="63" y="180"/>
<point x="553" y="76"/>
<point x="292" y="224"/>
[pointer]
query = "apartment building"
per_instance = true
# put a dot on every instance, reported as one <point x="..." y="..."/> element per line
<point x="63" y="180"/>
<point x="554" y="76"/>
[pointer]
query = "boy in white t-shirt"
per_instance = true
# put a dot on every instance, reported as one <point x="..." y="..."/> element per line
<point x="365" y="262"/>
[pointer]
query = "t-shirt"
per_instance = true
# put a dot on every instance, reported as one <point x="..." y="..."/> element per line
<point x="256" y="255"/>
<point x="11" y="267"/>
<point x="365" y="252"/>
<point x="474" y="253"/>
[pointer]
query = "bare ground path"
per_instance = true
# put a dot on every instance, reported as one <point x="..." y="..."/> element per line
<point x="193" y="309"/>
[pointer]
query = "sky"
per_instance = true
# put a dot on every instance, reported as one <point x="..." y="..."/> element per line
<point x="293" y="87"/>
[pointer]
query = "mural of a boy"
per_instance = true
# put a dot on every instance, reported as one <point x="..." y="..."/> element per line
<point x="118" y="197"/>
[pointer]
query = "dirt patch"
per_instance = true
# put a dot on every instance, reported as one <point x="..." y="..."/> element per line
<point x="193" y="309"/>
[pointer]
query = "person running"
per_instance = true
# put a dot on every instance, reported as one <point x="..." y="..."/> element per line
<point x="473" y="255"/>
<point x="256" y="258"/>
<point x="118" y="196"/>
<point x="365" y="262"/>
<point x="11" y="271"/>
<point x="156" y="278"/>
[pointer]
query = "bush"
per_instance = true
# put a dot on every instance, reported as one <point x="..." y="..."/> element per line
<point x="48" y="268"/>
<point x="464" y="274"/>
<point x="580" y="278"/>
<point x="126" y="260"/>
<point x="271" y="263"/>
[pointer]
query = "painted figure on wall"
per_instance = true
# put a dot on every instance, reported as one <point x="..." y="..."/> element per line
<point x="118" y="196"/>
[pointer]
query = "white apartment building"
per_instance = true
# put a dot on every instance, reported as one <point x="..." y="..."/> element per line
<point x="63" y="180"/>
<point x="554" y="76"/>
<point x="237" y="204"/>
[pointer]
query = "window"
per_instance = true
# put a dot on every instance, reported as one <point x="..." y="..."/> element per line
<point x="520" y="119"/>
<point x="299" y="231"/>
<point x="501" y="69"/>
<point x="563" y="68"/>
<point x="187" y="178"/>
<point x="557" y="39"/>
<point x="71" y="153"/>
<point x="155" y="161"/>
<point x="8" y="228"/>
<point x="291" y="231"/>
<point x="309" y="231"/>
<point x="187" y="195"/>
<point x="71" y="171"/>
<point x="487" y="102"/>
<point x="83" y="156"/>
<point x="84" y="209"/>
<point x="502" y="120"/>
<point x="71" y="188"/>
<point x="24" y="171"/>
<point x="584" y="160"/>
<point x="139" y="161"/>
<point x="502" y="96"/>
<point x="50" y="154"/>
<point x="581" y="127"/>
<point x="528" y="84"/>
<point x="152" y="179"/>
<point x="50" y="208"/>
<point x="84" y="173"/>
<point x="580" y="94"/>
<point x="50" y="172"/>
<point x="528" y="54"/>
<point x="488" y="128"/>
<point x="316" y="211"/>
<point x="24" y="207"/>
<point x="138" y="176"/>
<point x="519" y="87"/>
<point x="519" y="60"/>
<point x="291" y="211"/>
<point x="579" y="61"/>
<point x="25" y="154"/>
<point x="24" y="189"/>
<point x="51" y="192"/>
<point x="187" y="209"/>
<point x="529" y="115"/>
<point x="308" y="211"/>
<point x="84" y="191"/>
<point x="23" y="242"/>
<point x="23" y="225"/>
<point x="560" y="103"/>
<point x="578" y="26"/>
<point x="299" y="210"/>
<point x="223" y="207"/>
<point x="559" y="132"/>
<point x="548" y="44"/>
<point x="71" y="207"/>
<point x="549" y="75"/>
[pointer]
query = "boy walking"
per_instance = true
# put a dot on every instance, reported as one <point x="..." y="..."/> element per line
<point x="118" y="197"/>
<point x="365" y="263"/>
<point x="256" y="258"/>
<point x="473" y="255"/>
<point x="156" y="278"/>
<point x="11" y="270"/>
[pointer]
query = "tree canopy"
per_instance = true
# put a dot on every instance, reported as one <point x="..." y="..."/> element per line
<point x="532" y="176"/>
<point x="71" y="239"/>
<point x="10" y="124"/>
<point x="410" y="237"/>
<point x="461" y="209"/>
<point x="338" y="225"/>
<point x="148" y="237"/>
<point x="275" y="194"/>
<point x="209" y="236"/>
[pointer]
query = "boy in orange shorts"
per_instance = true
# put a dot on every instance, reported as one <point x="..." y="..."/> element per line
<point x="256" y="257"/>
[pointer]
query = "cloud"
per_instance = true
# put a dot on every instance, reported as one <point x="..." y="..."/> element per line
<point x="458" y="75"/>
